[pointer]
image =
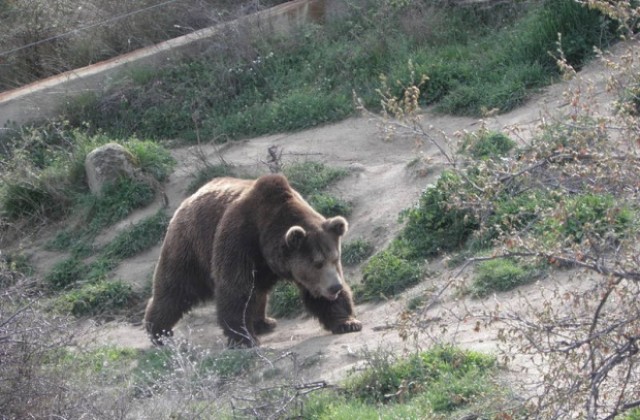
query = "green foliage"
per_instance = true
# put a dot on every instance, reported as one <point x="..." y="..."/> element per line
<point x="595" y="214"/>
<point x="151" y="158"/>
<point x="386" y="274"/>
<point x="312" y="177"/>
<point x="117" y="201"/>
<point x="329" y="205"/>
<point x="356" y="251"/>
<point x="501" y="275"/>
<point x="140" y="237"/>
<point x="96" y="298"/>
<point x="487" y="145"/>
<point x="447" y="376"/>
<point x="477" y="58"/>
<point x="434" y="225"/>
<point x="65" y="273"/>
<point x="285" y="301"/>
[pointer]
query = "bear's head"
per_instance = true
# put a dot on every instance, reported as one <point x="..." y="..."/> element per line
<point x="314" y="257"/>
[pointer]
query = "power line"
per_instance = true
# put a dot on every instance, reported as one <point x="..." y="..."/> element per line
<point x="93" y="25"/>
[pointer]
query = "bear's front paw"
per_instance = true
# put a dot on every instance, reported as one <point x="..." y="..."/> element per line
<point x="348" y="326"/>
<point x="263" y="326"/>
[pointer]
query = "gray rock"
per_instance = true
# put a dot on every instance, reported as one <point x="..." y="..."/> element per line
<point x="107" y="164"/>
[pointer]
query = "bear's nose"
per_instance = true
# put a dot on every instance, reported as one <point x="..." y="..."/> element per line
<point x="335" y="289"/>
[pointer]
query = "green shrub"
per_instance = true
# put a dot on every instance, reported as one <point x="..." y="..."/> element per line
<point x="285" y="301"/>
<point x="501" y="275"/>
<point x="329" y="205"/>
<point x="93" y="299"/>
<point x="151" y="158"/>
<point x="356" y="251"/>
<point x="487" y="145"/>
<point x="435" y="225"/>
<point x="385" y="275"/>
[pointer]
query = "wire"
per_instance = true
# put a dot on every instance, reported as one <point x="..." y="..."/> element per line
<point x="93" y="25"/>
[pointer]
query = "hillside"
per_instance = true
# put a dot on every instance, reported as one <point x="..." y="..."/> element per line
<point x="386" y="174"/>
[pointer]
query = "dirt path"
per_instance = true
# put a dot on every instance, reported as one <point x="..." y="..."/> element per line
<point x="380" y="184"/>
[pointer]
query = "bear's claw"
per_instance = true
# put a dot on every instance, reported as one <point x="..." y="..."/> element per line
<point x="264" y="326"/>
<point x="349" y="326"/>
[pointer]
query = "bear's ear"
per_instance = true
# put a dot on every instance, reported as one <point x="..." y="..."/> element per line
<point x="294" y="237"/>
<point x="337" y="225"/>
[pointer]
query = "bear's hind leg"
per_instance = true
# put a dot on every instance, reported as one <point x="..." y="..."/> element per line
<point x="337" y="315"/>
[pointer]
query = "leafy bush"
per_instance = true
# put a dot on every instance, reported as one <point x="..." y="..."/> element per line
<point x="151" y="158"/>
<point x="386" y="275"/>
<point x="434" y="225"/>
<point x="356" y="251"/>
<point x="487" y="144"/>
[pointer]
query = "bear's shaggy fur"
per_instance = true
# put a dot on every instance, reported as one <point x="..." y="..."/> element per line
<point x="234" y="239"/>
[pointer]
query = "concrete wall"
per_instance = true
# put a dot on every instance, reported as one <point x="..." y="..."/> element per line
<point x="43" y="99"/>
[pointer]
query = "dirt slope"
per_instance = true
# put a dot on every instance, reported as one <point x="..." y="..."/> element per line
<point x="380" y="184"/>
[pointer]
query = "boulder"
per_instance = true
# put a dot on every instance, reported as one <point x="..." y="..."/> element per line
<point x="107" y="164"/>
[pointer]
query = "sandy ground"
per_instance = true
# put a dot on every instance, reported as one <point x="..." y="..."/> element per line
<point x="381" y="183"/>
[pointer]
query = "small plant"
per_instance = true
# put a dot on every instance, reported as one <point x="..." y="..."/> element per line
<point x="385" y="275"/>
<point x="285" y="301"/>
<point x="356" y="251"/>
<point x="501" y="275"/>
<point x="329" y="205"/>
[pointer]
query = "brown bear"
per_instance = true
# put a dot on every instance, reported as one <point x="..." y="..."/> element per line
<point x="233" y="240"/>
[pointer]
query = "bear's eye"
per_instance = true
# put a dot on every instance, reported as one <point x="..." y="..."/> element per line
<point x="318" y="264"/>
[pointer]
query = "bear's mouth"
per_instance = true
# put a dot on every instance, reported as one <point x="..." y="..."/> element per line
<point x="333" y="297"/>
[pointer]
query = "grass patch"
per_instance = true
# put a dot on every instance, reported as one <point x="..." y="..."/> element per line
<point x="355" y="252"/>
<point x="285" y="300"/>
<point x="385" y="275"/>
<point x="431" y="383"/>
<point x="97" y="298"/>
<point x="230" y="362"/>
<point x="65" y="273"/>
<point x="477" y="58"/>
<point x="501" y="275"/>
<point x="139" y="237"/>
